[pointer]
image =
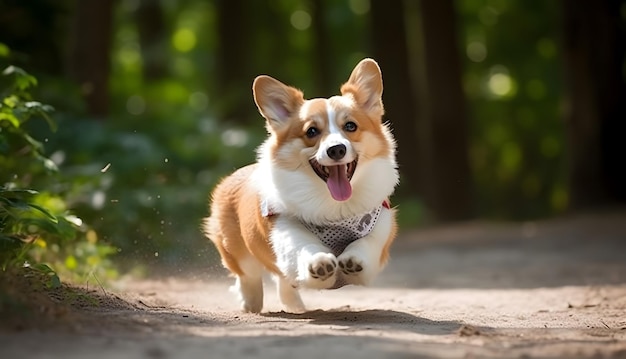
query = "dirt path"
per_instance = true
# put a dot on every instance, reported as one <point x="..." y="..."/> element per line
<point x="547" y="289"/>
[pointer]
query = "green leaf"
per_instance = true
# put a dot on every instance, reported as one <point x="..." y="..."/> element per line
<point x="11" y="101"/>
<point x="47" y="163"/>
<point x="52" y="218"/>
<point x="37" y="146"/>
<point x="38" y="106"/>
<point x="41" y="225"/>
<point x="23" y="80"/>
<point x="11" y="118"/>
<point x="9" y="243"/>
<point x="43" y="268"/>
<point x="15" y="203"/>
<point x="49" y="120"/>
<point x="18" y="191"/>
<point x="55" y="281"/>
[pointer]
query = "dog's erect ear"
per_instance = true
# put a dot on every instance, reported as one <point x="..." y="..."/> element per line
<point x="276" y="101"/>
<point x="366" y="85"/>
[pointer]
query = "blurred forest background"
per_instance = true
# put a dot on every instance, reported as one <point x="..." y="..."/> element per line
<point x="503" y="109"/>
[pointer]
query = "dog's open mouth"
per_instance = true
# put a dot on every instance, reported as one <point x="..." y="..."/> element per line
<point x="337" y="178"/>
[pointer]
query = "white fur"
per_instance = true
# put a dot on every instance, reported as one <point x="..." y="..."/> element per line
<point x="249" y="286"/>
<point x="335" y="137"/>
<point x="303" y="194"/>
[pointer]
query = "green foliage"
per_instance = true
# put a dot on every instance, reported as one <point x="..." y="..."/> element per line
<point x="141" y="177"/>
<point x="36" y="227"/>
<point x="146" y="180"/>
<point x="513" y="85"/>
<point x="16" y="109"/>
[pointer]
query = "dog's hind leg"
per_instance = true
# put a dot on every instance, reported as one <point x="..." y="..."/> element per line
<point x="249" y="285"/>
<point x="289" y="295"/>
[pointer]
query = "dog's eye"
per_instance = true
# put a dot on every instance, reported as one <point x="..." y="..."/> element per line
<point x="350" y="126"/>
<point x="312" y="132"/>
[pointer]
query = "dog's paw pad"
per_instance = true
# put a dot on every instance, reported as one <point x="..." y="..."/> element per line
<point x="323" y="267"/>
<point x="350" y="266"/>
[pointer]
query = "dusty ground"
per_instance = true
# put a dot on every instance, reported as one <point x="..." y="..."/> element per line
<point x="544" y="289"/>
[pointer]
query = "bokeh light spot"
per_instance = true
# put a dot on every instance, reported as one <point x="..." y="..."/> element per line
<point x="235" y="138"/>
<point x="359" y="7"/>
<point x="135" y="105"/>
<point x="184" y="40"/>
<point x="500" y="84"/>
<point x="476" y="51"/>
<point x="198" y="101"/>
<point x="300" y="20"/>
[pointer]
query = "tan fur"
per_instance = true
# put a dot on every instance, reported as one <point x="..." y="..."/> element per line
<point x="236" y="225"/>
<point x="384" y="255"/>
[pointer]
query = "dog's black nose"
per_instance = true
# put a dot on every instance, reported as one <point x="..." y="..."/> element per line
<point x="336" y="152"/>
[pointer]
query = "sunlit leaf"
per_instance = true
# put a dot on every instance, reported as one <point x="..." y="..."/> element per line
<point x="48" y="163"/>
<point x="44" y="211"/>
<point x="42" y="267"/>
<point x="23" y="80"/>
<point x="11" y="101"/>
<point x="10" y="118"/>
<point x="17" y="191"/>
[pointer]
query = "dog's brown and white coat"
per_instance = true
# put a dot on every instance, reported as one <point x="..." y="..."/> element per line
<point x="325" y="162"/>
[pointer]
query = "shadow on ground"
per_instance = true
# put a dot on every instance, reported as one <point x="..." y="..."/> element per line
<point x="372" y="319"/>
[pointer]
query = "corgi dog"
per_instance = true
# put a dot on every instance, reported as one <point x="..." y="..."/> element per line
<point x="314" y="209"/>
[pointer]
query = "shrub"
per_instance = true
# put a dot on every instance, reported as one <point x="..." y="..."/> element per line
<point x="37" y="227"/>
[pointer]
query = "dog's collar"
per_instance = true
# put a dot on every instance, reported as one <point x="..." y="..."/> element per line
<point x="337" y="235"/>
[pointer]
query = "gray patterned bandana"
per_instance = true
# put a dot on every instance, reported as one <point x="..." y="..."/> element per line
<point x="337" y="235"/>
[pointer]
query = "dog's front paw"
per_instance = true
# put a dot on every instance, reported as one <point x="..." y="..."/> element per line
<point x="319" y="271"/>
<point x="322" y="266"/>
<point x="350" y="266"/>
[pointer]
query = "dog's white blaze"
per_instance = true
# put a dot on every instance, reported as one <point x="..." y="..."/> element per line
<point x="335" y="137"/>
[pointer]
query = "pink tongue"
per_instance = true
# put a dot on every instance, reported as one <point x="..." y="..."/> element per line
<point x="338" y="183"/>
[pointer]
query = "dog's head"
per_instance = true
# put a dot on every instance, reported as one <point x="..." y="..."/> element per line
<point x="330" y="139"/>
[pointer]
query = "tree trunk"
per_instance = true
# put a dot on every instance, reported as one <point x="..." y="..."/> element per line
<point x="322" y="68"/>
<point x="233" y="75"/>
<point x="445" y="129"/>
<point x="594" y="56"/>
<point x="152" y="37"/>
<point x="390" y="50"/>
<point x="90" y="52"/>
